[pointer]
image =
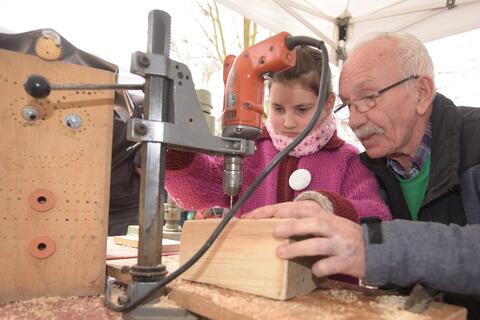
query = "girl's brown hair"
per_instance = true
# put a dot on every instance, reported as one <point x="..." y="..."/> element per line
<point x="306" y="72"/>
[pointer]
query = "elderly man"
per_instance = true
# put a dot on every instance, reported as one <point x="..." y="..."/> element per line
<point x="419" y="145"/>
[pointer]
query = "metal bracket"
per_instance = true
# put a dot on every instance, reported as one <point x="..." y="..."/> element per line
<point x="186" y="136"/>
<point x="185" y="127"/>
<point x="144" y="64"/>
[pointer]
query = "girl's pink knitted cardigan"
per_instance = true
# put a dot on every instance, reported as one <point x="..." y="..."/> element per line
<point x="194" y="181"/>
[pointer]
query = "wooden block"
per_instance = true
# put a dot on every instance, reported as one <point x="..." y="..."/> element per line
<point x="54" y="182"/>
<point x="243" y="258"/>
<point x="332" y="300"/>
<point x="168" y="246"/>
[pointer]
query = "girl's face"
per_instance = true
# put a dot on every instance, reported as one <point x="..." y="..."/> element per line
<point x="292" y="107"/>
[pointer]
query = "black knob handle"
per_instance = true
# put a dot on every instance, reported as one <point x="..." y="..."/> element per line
<point x="37" y="86"/>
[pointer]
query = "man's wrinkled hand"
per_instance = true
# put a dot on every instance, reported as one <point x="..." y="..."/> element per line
<point x="339" y="241"/>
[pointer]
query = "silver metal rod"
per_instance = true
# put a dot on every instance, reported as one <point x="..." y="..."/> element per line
<point x="96" y="86"/>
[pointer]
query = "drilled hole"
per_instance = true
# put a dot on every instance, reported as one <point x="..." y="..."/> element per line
<point x="41" y="200"/>
<point x="41" y="246"/>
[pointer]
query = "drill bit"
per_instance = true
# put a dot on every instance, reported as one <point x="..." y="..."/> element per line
<point x="231" y="202"/>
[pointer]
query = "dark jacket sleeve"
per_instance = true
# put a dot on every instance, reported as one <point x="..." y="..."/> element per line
<point x="444" y="257"/>
<point x="470" y="185"/>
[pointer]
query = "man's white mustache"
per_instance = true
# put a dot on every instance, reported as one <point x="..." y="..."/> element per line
<point x="366" y="131"/>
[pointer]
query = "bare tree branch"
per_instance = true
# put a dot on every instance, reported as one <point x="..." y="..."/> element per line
<point x="215" y="35"/>
<point x="220" y="29"/>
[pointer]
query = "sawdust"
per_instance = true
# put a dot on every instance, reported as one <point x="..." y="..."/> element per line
<point x="391" y="307"/>
<point x="262" y="308"/>
<point x="392" y="301"/>
<point x="115" y="292"/>
<point x="171" y="262"/>
<point x="166" y="303"/>
<point x="334" y="304"/>
<point x="341" y="295"/>
<point x="47" y="308"/>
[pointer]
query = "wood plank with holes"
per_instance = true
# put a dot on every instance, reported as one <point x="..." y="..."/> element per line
<point x="54" y="186"/>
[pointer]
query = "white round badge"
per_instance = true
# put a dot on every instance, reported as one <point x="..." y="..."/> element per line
<point x="300" y="179"/>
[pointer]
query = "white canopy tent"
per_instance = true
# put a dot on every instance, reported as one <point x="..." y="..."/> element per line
<point x="339" y="23"/>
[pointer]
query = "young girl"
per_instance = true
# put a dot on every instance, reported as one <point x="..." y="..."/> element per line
<point x="322" y="162"/>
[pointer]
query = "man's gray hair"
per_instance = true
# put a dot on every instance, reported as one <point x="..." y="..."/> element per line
<point x="412" y="57"/>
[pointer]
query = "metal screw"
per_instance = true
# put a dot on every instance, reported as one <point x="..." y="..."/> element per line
<point x="143" y="60"/>
<point x="140" y="128"/>
<point x="73" y="121"/>
<point x="30" y="113"/>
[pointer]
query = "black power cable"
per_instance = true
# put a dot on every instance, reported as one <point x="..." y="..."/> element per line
<point x="291" y="43"/>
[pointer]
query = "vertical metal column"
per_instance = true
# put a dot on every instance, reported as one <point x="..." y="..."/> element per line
<point x="157" y="95"/>
<point x="149" y="271"/>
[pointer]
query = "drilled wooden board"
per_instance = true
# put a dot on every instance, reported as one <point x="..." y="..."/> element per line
<point x="333" y="301"/>
<point x="74" y="165"/>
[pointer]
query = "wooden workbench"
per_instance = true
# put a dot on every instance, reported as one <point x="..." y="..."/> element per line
<point x="333" y="300"/>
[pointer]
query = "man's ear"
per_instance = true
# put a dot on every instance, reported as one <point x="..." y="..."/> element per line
<point x="328" y="107"/>
<point x="426" y="91"/>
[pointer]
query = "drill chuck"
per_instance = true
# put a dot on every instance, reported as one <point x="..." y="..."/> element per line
<point x="232" y="175"/>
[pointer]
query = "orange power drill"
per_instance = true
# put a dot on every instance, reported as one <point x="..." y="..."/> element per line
<point x="244" y="92"/>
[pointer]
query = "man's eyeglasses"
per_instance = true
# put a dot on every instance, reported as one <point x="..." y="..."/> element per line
<point x="365" y="103"/>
